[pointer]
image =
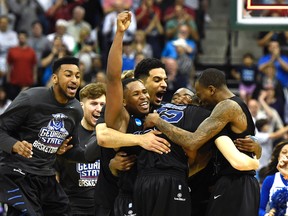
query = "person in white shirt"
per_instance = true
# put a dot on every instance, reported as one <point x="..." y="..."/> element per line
<point x="61" y="30"/>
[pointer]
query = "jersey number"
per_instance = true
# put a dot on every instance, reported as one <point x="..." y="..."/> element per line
<point x="171" y="116"/>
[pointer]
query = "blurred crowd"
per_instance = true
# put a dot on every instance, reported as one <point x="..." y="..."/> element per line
<point x="33" y="33"/>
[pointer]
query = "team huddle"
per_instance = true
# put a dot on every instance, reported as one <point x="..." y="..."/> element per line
<point x="122" y="151"/>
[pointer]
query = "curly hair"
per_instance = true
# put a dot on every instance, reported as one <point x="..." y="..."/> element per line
<point x="145" y="66"/>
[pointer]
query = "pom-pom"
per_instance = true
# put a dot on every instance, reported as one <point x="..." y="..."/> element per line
<point x="279" y="201"/>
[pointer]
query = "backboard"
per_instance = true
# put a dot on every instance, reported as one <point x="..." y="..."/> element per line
<point x="256" y="15"/>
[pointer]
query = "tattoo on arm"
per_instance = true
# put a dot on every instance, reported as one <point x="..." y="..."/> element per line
<point x="210" y="127"/>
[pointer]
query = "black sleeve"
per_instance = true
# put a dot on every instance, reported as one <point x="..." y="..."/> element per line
<point x="11" y="121"/>
<point x="75" y="154"/>
<point x="92" y="150"/>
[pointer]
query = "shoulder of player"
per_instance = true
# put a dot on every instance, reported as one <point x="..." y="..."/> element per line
<point x="227" y="108"/>
<point x="227" y="105"/>
<point x="35" y="94"/>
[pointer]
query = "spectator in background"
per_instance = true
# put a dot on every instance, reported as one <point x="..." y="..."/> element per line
<point x="100" y="77"/>
<point x="275" y="101"/>
<point x="269" y="80"/>
<point x="171" y="27"/>
<point x="5" y="11"/>
<point x="265" y="37"/>
<point x="109" y="28"/>
<point x="170" y="11"/>
<point x="27" y="12"/>
<point x="268" y="101"/>
<point x="128" y="56"/>
<point x="8" y="39"/>
<point x="266" y="138"/>
<point x="183" y="33"/>
<point x="171" y="66"/>
<point x="96" y="40"/>
<point x="84" y="38"/>
<point x="94" y="69"/>
<point x="61" y="30"/>
<point x="39" y="43"/>
<point x="77" y="23"/>
<point x="273" y="177"/>
<point x="108" y="5"/>
<point x="139" y="56"/>
<point x="94" y="13"/>
<point x="22" y="66"/>
<point x="247" y="75"/>
<point x="140" y="44"/>
<point x="256" y="110"/>
<point x="278" y="60"/>
<point x="148" y="18"/>
<point x="58" y="50"/>
<point x="86" y="55"/>
<point x="186" y="73"/>
<point x="61" y="9"/>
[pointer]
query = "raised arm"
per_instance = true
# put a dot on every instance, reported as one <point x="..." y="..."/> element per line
<point x="114" y="112"/>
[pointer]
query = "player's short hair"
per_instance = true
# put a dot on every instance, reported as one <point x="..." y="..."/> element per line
<point x="92" y="91"/>
<point x="145" y="66"/>
<point x="212" y="76"/>
<point x="64" y="60"/>
<point x="126" y="81"/>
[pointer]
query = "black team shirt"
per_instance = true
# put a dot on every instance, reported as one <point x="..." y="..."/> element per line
<point x="36" y="116"/>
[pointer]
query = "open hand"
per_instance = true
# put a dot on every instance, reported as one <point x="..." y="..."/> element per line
<point x="23" y="148"/>
<point x="151" y="142"/>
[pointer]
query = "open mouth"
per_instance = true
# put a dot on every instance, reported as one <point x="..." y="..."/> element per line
<point x="159" y="96"/>
<point x="96" y="117"/>
<point x="72" y="89"/>
<point x="145" y="105"/>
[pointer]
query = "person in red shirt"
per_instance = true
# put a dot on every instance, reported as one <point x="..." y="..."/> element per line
<point x="22" y="66"/>
<point x="148" y="18"/>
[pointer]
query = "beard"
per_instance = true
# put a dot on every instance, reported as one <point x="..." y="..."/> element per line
<point x="63" y="92"/>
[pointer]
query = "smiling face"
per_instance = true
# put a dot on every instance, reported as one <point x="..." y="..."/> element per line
<point x="156" y="84"/>
<point x="66" y="82"/>
<point x="136" y="98"/>
<point x="181" y="95"/>
<point x="91" y="110"/>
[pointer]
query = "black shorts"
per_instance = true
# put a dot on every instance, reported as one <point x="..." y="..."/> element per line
<point x="101" y="211"/>
<point x="124" y="205"/>
<point x="235" y="195"/>
<point x="158" y="194"/>
<point x="29" y="194"/>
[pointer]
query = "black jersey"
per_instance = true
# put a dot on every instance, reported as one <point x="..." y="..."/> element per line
<point x="106" y="189"/>
<point x="127" y="178"/>
<point x="187" y="117"/>
<point x="36" y="116"/>
<point x="221" y="164"/>
<point x="79" y="179"/>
